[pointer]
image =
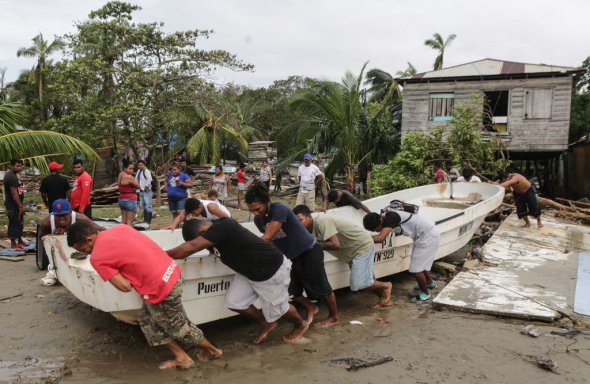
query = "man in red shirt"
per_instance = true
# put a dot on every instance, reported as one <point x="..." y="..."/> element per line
<point x="80" y="196"/>
<point x="155" y="276"/>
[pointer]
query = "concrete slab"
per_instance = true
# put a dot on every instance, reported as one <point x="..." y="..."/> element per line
<point x="535" y="276"/>
<point x="582" y="300"/>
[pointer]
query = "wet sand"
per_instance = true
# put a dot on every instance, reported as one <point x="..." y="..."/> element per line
<point x="47" y="335"/>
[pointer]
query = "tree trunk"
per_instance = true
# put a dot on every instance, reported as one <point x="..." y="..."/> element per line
<point x="350" y="178"/>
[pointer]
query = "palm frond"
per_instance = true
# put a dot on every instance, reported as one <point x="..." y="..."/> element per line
<point x="28" y="144"/>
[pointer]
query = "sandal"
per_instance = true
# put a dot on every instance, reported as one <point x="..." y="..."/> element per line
<point x="421" y="297"/>
<point x="430" y="286"/>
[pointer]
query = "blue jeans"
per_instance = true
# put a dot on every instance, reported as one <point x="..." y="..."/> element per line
<point x="176" y="204"/>
<point x="128" y="205"/>
<point x="146" y="201"/>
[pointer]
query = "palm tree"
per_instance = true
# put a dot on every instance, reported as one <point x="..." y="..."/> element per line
<point x="40" y="49"/>
<point x="234" y="125"/>
<point x="410" y="71"/>
<point x="336" y="120"/>
<point x="382" y="86"/>
<point x="35" y="147"/>
<point x="440" y="45"/>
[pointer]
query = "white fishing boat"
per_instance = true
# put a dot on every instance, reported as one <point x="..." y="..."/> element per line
<point x="206" y="279"/>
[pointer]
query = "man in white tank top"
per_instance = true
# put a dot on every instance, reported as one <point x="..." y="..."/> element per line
<point x="61" y="218"/>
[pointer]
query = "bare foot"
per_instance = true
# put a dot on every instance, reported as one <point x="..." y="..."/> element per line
<point x="296" y="334"/>
<point x="312" y="310"/>
<point x="327" y="322"/>
<point x="385" y="299"/>
<point x="205" y="355"/>
<point x="264" y="331"/>
<point x="540" y="225"/>
<point x="527" y="225"/>
<point x="177" y="364"/>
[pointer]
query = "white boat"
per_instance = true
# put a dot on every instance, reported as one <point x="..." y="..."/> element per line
<point x="206" y="278"/>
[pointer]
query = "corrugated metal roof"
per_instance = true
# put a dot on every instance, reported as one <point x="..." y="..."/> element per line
<point x="491" y="67"/>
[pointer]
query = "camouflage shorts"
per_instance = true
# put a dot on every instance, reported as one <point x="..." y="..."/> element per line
<point x="166" y="321"/>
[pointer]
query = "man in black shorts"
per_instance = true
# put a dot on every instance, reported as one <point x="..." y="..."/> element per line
<point x="281" y="227"/>
<point x="342" y="198"/>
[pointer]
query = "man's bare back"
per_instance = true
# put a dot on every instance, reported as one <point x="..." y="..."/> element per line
<point x="517" y="182"/>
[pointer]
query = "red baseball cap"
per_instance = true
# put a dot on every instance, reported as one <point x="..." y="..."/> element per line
<point x="53" y="166"/>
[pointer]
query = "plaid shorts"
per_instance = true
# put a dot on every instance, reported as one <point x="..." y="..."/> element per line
<point x="166" y="321"/>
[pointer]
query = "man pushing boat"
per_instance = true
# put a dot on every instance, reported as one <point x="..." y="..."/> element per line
<point x="426" y="238"/>
<point x="130" y="260"/>
<point x="262" y="273"/>
<point x="352" y="245"/>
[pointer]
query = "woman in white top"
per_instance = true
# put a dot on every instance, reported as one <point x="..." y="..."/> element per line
<point x="265" y="174"/>
<point x="220" y="183"/>
<point x="195" y="208"/>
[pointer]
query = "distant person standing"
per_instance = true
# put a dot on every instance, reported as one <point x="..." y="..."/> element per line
<point x="14" y="196"/>
<point x="221" y="183"/>
<point x="80" y="196"/>
<point x="343" y="198"/>
<point x="468" y="177"/>
<point x="309" y="176"/>
<point x="54" y="186"/>
<point x="266" y="174"/>
<point x="144" y="178"/>
<point x="177" y="184"/>
<point x="127" y="194"/>
<point x="439" y="173"/>
<point x="452" y="172"/>
<point x="525" y="197"/>
<point x="185" y="167"/>
<point x="241" y="183"/>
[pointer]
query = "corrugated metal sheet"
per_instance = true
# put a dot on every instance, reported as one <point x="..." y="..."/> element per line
<point x="491" y="67"/>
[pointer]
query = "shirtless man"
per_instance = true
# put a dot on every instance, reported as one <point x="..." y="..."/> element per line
<point x="62" y="217"/>
<point x="526" y="200"/>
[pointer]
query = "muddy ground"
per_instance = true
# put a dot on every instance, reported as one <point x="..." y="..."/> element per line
<point x="47" y="335"/>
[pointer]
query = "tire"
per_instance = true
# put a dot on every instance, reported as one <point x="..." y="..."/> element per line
<point x="41" y="258"/>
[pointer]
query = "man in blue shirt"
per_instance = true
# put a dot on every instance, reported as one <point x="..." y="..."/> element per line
<point x="280" y="226"/>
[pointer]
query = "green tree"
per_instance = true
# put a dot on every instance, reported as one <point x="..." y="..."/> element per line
<point x="440" y="45"/>
<point x="336" y="121"/>
<point x="410" y="71"/>
<point x="132" y="84"/>
<point x="41" y="50"/>
<point x="35" y="147"/>
<point x="382" y="87"/>
<point x="412" y="166"/>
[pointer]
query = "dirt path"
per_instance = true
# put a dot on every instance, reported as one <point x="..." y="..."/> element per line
<point x="46" y="333"/>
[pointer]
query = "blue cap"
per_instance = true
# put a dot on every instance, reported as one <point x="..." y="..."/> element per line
<point x="61" y="207"/>
<point x="307" y="156"/>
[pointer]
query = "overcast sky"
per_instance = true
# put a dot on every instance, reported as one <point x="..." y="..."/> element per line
<point x="325" y="38"/>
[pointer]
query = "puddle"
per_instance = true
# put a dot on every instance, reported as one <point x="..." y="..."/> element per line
<point x="33" y="370"/>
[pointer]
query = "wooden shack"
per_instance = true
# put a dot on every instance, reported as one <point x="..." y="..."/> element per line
<point x="258" y="151"/>
<point x="527" y="105"/>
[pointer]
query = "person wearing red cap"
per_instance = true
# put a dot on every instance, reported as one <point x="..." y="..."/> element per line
<point x="54" y="186"/>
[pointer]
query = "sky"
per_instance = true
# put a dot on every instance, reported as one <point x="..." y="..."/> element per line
<point x="326" y="38"/>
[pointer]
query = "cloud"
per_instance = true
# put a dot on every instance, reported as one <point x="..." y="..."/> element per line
<point x="326" y="38"/>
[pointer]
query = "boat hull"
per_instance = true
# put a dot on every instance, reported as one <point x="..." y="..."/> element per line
<point x="206" y="279"/>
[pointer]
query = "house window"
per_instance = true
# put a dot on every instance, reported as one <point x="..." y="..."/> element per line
<point x="538" y="103"/>
<point x="441" y="106"/>
<point x="495" y="117"/>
